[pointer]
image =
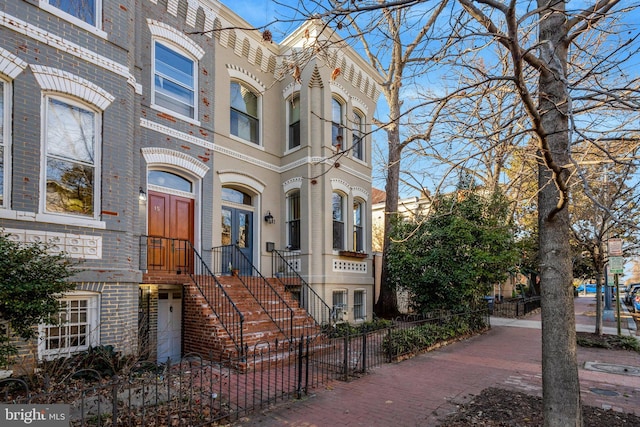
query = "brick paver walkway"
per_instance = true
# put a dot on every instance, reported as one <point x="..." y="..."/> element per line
<point x="422" y="390"/>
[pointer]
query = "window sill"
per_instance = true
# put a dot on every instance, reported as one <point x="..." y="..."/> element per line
<point x="353" y="254"/>
<point x="75" y="21"/>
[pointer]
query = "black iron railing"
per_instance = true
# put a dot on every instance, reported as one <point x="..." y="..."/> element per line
<point x="230" y="259"/>
<point x="285" y="267"/>
<point x="161" y="254"/>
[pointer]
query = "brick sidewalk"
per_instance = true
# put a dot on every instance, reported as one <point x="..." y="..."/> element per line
<point x="422" y="390"/>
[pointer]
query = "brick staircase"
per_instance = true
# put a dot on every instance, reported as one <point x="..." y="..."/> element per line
<point x="203" y="332"/>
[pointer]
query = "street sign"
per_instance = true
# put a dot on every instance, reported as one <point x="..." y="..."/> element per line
<point x="615" y="247"/>
<point x="616" y="265"/>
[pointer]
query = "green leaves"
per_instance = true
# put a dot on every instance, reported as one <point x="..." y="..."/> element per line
<point x="32" y="281"/>
<point x="451" y="258"/>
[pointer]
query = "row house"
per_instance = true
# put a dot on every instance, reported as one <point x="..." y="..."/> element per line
<point x="166" y="144"/>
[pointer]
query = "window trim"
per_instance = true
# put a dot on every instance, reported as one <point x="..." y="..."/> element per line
<point x="362" y="225"/>
<point x="360" y="134"/>
<point x="363" y="305"/>
<point x="93" y="320"/>
<point x="341" y="126"/>
<point x="343" y="221"/>
<point x="97" y="162"/>
<point x="290" y="220"/>
<point x="290" y="101"/>
<point x="258" y="95"/>
<point x="344" y="306"/>
<point x="95" y="29"/>
<point x="6" y="143"/>
<point x="195" y="67"/>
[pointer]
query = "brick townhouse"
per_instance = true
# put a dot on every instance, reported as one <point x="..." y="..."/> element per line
<point x="162" y="141"/>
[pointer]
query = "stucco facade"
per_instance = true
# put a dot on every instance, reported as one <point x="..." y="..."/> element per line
<point x="162" y="102"/>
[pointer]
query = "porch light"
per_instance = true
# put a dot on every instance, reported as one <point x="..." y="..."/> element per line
<point x="269" y="219"/>
<point x="142" y="196"/>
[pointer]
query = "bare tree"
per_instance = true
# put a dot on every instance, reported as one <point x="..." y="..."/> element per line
<point x="538" y="37"/>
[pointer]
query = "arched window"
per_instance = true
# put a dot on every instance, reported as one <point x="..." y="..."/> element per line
<point x="245" y="118"/>
<point x="337" y="123"/>
<point x="358" y="225"/>
<point x="174" y="80"/>
<point x="71" y="150"/>
<point x="293" y="220"/>
<point x="337" y="203"/>
<point x="358" y="135"/>
<point x="294" y="121"/>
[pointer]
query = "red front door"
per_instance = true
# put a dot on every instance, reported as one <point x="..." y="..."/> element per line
<point x="170" y="232"/>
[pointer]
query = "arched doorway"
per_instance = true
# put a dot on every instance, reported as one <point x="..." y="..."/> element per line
<point x="170" y="221"/>
<point x="237" y="222"/>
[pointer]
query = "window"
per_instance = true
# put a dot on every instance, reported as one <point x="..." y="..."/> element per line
<point x="358" y="219"/>
<point x="359" y="310"/>
<point x="77" y="327"/>
<point x="174" y="81"/>
<point x="293" y="220"/>
<point x="4" y="143"/>
<point x="84" y="10"/>
<point x="338" y="311"/>
<point x="170" y="180"/>
<point x="337" y="124"/>
<point x="71" y="164"/>
<point x="244" y="113"/>
<point x="338" y="221"/>
<point x="294" y="122"/>
<point x="358" y="126"/>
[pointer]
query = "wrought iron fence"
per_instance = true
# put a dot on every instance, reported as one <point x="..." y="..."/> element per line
<point x="515" y="307"/>
<point x="286" y="265"/>
<point x="199" y="391"/>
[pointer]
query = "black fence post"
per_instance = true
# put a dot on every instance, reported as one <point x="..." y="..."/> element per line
<point x="364" y="352"/>
<point x="114" y="399"/>
<point x="300" y="349"/>
<point x="346" y="357"/>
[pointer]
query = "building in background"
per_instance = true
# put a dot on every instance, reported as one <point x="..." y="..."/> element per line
<point x="141" y="134"/>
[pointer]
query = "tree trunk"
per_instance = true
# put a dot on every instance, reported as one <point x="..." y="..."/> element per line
<point x="387" y="304"/>
<point x="561" y="387"/>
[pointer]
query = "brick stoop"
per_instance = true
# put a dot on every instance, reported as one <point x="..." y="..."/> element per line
<point x="204" y="334"/>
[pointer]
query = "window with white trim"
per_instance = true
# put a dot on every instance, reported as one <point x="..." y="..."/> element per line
<point x="294" y="121"/>
<point x="358" y="225"/>
<point x="359" y="307"/>
<point x="337" y="123"/>
<point x="293" y="220"/>
<point x="244" y="114"/>
<point x="339" y="307"/>
<point x="77" y="326"/>
<point x="5" y="149"/>
<point x="72" y="167"/>
<point x="174" y="80"/>
<point x="358" y="135"/>
<point x="337" y="203"/>
<point x="88" y="11"/>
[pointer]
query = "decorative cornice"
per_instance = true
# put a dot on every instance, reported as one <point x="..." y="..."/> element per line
<point x="242" y="74"/>
<point x="61" y="81"/>
<point x="166" y="32"/>
<point x="10" y="65"/>
<point x="67" y="47"/>
<point x="166" y="156"/>
<point x="166" y="130"/>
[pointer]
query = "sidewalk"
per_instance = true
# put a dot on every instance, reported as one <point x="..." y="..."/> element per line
<point x="423" y="390"/>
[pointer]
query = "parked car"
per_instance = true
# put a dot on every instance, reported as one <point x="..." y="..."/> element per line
<point x="636" y="303"/>
<point x="630" y="289"/>
<point x="591" y="288"/>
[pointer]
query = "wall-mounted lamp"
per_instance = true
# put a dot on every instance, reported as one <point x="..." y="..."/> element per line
<point x="142" y="196"/>
<point x="269" y="219"/>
